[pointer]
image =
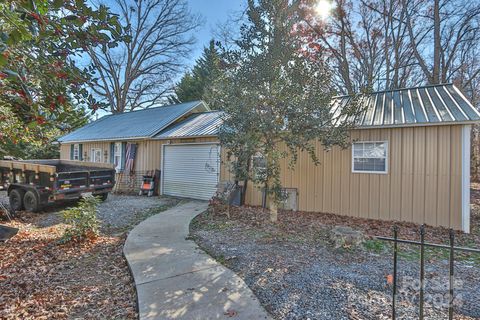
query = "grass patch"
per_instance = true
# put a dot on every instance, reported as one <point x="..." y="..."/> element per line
<point x="375" y="245"/>
<point x="412" y="253"/>
<point x="221" y="259"/>
<point x="216" y="226"/>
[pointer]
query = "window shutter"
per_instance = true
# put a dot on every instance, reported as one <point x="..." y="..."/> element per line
<point x="112" y="152"/>
<point x="80" y="152"/>
<point x="124" y="149"/>
<point x="72" y="146"/>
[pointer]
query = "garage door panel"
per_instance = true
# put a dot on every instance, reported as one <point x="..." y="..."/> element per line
<point x="191" y="170"/>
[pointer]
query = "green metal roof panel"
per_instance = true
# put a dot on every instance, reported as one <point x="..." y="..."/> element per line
<point x="136" y="124"/>
<point x="196" y="125"/>
<point x="436" y="104"/>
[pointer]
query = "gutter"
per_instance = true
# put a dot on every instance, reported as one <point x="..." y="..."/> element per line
<point x="104" y="140"/>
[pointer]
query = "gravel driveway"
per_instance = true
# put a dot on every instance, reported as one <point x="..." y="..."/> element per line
<point x="117" y="214"/>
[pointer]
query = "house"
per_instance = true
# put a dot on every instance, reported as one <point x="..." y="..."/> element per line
<point x="175" y="140"/>
<point x="409" y="160"/>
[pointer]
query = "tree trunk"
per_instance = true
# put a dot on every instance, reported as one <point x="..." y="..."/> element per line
<point x="437" y="43"/>
<point x="244" y="192"/>
<point x="271" y="197"/>
<point x="272" y="205"/>
<point x="245" y="185"/>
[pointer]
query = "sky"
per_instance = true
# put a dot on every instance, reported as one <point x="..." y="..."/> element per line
<point x="213" y="12"/>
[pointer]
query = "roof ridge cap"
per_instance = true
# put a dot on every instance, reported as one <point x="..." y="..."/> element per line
<point x="154" y="108"/>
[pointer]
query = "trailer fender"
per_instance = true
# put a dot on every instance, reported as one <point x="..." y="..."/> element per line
<point x="13" y="186"/>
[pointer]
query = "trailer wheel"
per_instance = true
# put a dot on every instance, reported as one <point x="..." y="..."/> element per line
<point x="16" y="199"/>
<point x="31" y="202"/>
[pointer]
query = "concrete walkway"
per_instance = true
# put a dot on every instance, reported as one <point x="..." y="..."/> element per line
<point x="177" y="280"/>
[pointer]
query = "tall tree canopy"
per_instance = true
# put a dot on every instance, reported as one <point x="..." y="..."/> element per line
<point x="41" y="85"/>
<point x="139" y="73"/>
<point x="196" y="85"/>
<point x="276" y="97"/>
<point x="388" y="44"/>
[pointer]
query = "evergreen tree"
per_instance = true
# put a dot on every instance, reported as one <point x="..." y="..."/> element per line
<point x="42" y="85"/>
<point x="276" y="98"/>
<point x="195" y="85"/>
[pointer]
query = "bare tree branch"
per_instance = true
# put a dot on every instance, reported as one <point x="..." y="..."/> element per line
<point x="140" y="72"/>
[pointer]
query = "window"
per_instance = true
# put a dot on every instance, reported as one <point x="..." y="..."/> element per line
<point x="259" y="166"/>
<point x="370" y="157"/>
<point x="96" y="155"/>
<point x="76" y="152"/>
<point x="117" y="155"/>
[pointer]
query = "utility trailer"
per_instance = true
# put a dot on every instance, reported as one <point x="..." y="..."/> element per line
<point x="31" y="184"/>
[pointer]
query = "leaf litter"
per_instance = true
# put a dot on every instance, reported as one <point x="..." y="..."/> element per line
<point x="40" y="278"/>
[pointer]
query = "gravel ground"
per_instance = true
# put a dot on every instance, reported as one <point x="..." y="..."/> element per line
<point x="117" y="214"/>
<point x="297" y="274"/>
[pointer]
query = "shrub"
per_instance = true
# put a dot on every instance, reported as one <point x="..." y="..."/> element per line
<point x="82" y="220"/>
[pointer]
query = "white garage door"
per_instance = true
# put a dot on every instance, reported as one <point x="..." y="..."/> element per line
<point x="191" y="171"/>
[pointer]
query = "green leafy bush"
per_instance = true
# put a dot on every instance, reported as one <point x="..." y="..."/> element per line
<point x="82" y="220"/>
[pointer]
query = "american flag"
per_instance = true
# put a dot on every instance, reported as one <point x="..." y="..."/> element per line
<point x="130" y="157"/>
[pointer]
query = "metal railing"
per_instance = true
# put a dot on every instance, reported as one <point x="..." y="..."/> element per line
<point x="452" y="249"/>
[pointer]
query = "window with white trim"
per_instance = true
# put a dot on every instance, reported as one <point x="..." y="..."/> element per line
<point x="259" y="164"/>
<point x="96" y="155"/>
<point x="117" y="155"/>
<point x="76" y="151"/>
<point x="370" y="157"/>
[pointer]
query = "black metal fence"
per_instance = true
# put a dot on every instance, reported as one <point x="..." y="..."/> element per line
<point x="452" y="249"/>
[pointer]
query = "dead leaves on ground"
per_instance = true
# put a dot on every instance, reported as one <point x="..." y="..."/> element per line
<point x="42" y="279"/>
<point x="312" y="224"/>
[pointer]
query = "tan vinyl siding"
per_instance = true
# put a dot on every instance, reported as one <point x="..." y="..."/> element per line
<point x="423" y="183"/>
<point x="65" y="151"/>
<point x="149" y="152"/>
<point x="87" y="151"/>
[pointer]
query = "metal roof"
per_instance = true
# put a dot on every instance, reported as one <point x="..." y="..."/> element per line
<point x="429" y="105"/>
<point x="132" y="125"/>
<point x="196" y="125"/>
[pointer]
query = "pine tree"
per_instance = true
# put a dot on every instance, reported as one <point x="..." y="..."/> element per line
<point x="195" y="85"/>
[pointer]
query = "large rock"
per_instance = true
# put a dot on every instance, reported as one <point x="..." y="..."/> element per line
<point x="346" y="237"/>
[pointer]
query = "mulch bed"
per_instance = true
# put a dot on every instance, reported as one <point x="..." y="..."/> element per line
<point x="40" y="278"/>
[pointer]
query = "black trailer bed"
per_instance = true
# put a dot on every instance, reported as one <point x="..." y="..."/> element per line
<point x="39" y="182"/>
